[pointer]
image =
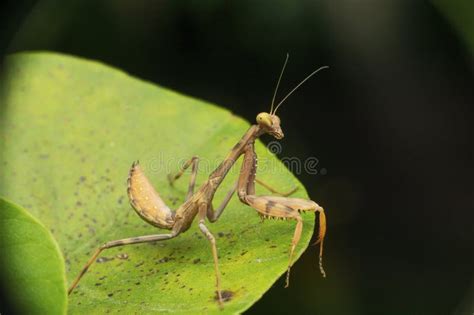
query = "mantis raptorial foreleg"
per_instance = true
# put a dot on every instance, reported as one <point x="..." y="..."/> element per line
<point x="289" y="208"/>
<point x="278" y="207"/>
<point x="213" y="215"/>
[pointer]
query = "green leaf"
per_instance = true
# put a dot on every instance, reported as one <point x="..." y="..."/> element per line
<point x="73" y="127"/>
<point x="32" y="265"/>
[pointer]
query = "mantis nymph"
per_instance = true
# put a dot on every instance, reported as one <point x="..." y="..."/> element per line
<point x="151" y="208"/>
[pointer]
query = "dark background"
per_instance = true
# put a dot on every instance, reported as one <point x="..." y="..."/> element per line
<point x="389" y="122"/>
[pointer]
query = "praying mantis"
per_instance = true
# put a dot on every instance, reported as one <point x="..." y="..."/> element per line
<point x="150" y="206"/>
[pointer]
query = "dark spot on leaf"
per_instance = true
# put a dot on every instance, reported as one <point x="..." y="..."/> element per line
<point x="110" y="294"/>
<point x="78" y="203"/>
<point x="220" y="234"/>
<point x="197" y="260"/>
<point x="139" y="264"/>
<point x="243" y="252"/>
<point x="104" y="259"/>
<point x="163" y="260"/>
<point x="226" y="295"/>
<point x="267" y="240"/>
<point x="137" y="283"/>
<point x="98" y="284"/>
<point x="273" y="246"/>
<point x="82" y="179"/>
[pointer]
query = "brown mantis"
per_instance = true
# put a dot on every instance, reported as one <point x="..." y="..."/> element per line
<point x="151" y="208"/>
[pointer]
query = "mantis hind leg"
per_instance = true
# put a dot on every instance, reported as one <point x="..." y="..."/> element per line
<point x="116" y="243"/>
<point x="289" y="208"/>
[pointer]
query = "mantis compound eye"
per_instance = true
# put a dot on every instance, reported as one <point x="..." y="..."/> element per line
<point x="264" y="119"/>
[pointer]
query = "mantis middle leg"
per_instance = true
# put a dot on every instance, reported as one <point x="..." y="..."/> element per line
<point x="194" y="161"/>
<point x="212" y="240"/>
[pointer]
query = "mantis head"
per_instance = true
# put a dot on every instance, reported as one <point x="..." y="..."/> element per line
<point x="270" y="124"/>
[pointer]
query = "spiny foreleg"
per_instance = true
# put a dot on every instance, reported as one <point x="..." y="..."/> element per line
<point x="279" y="207"/>
<point x="289" y="208"/>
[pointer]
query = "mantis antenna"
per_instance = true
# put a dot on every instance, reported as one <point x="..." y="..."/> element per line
<point x="296" y="87"/>
<point x="278" y="83"/>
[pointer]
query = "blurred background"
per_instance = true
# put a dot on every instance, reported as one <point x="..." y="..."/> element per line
<point x="390" y="123"/>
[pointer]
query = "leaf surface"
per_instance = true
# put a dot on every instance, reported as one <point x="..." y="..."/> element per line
<point x="71" y="129"/>
<point x="32" y="265"/>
